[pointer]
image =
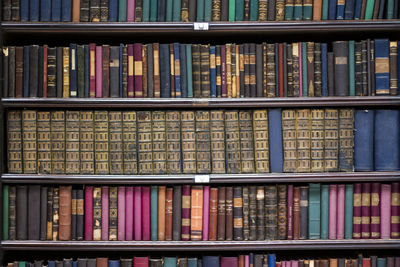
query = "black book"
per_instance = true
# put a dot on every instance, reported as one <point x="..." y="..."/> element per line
<point x="358" y="69"/>
<point x="271" y="10"/>
<point x="22" y="212"/>
<point x="92" y="263"/>
<point x="33" y="70"/>
<point x="241" y="69"/>
<point x="114" y="71"/>
<point x="177" y="213"/>
<point x="285" y="70"/>
<point x="25" y="70"/>
<point x="341" y="52"/>
<point x="59" y="72"/>
<point x="161" y="11"/>
<point x="303" y="212"/>
<point x="40" y="73"/>
<point x="73" y="214"/>
<point x="43" y="213"/>
<point x="331" y="74"/>
<point x="51" y="72"/>
<point x="224" y="10"/>
<point x="80" y="66"/>
<point x="252" y="65"/>
<point x="165" y="71"/>
<point x="182" y="57"/>
<point x="33" y="212"/>
<point x="79" y="214"/>
<point x="82" y="262"/>
<point x="259" y="70"/>
<point x="11" y="71"/>
<point x="152" y="263"/>
<point x="150" y="71"/>
<point x="192" y="10"/>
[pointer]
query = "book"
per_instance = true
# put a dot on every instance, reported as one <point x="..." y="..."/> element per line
<point x="261" y="144"/>
<point x="324" y="211"/>
<point x="177" y="213"/>
<point x="14" y="137"/>
<point x="314" y="214"/>
<point x="363" y="140"/>
<point x="101" y="132"/>
<point x="346" y="139"/>
<point x="129" y="142"/>
<point x="217" y="131"/>
<point x="157" y="130"/>
<point x="275" y="135"/>
<point x="382" y="64"/>
<point x="203" y="142"/>
<point x="340" y="223"/>
<point x="304" y="212"/>
<point x="97" y="205"/>
<point x="237" y="213"/>
<point x="384" y="204"/>
<point x="271" y="212"/>
<point x="331" y="139"/>
<point x="188" y="142"/>
<point x="341" y="52"/>
<point x="260" y="223"/>
<point x="303" y="144"/>
<point x="161" y="212"/>
<point x="366" y="211"/>
<point x="116" y="142"/>
<point x="232" y="141"/>
<point x="246" y="141"/>
<point x="221" y="214"/>
<point x="333" y="194"/>
<point x="289" y="140"/>
<point x="395" y="207"/>
<point x="145" y="147"/>
<point x="72" y="159"/>
<point x="229" y="213"/>
<point x="168" y="213"/>
<point x="348" y="224"/>
<point x="186" y="205"/>
<point x="357" y="211"/>
<point x="196" y="216"/>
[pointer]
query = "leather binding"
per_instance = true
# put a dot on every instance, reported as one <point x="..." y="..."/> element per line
<point x="150" y="70"/>
<point x="333" y="196"/>
<point x="101" y="142"/>
<point x="260" y="213"/>
<point x="99" y="71"/>
<point x="295" y="70"/>
<point x="223" y="71"/>
<point x="280" y="54"/>
<point x="393" y="90"/>
<point x="116" y="142"/>
<point x="288" y="82"/>
<point x="73" y="71"/>
<point x="145" y="215"/>
<point x="395" y="211"/>
<point x="246" y="55"/>
<point x="203" y="142"/>
<point x="188" y="141"/>
<point x="206" y="212"/>
<point x="173" y="142"/>
<point x="212" y="261"/>
<point x="58" y="141"/>
<point x="10" y="83"/>
<point x="331" y="74"/>
<point x="289" y="140"/>
<point x="228" y="58"/>
<point x="259" y="70"/>
<point x="366" y="86"/>
<point x="138" y="10"/>
<point x="86" y="138"/>
<point x="33" y="212"/>
<point x="65" y="213"/>
<point x="121" y="213"/>
<point x="385" y="211"/>
<point x="331" y="135"/>
<point x="317" y="10"/>
<point x="130" y="71"/>
<point x="92" y="70"/>
<point x="375" y="211"/>
<point x="183" y="70"/>
<point x="177" y="213"/>
<point x="41" y="89"/>
<point x="390" y="261"/>
<point x="193" y="262"/>
<point x="296" y="213"/>
<point x="258" y="260"/>
<point x="43" y="212"/>
<point x="185" y="11"/>
<point x="341" y="52"/>
<point x="56" y="213"/>
<point x="72" y="159"/>
<point x="290" y="212"/>
<point x="340" y="222"/>
<point x="310" y="68"/>
<point x="246" y="211"/>
<point x="246" y="141"/>
<point x="237" y="213"/>
<point x="357" y="211"/>
<point x="156" y="70"/>
<point x="346" y="140"/>
<point x="221" y="213"/>
<point x="94" y="11"/>
<point x="358" y="69"/>
<point x="21" y="207"/>
<point x="196" y="69"/>
<point x="158" y="137"/>
<point x="29" y="154"/>
<point x="275" y="135"/>
<point x="84" y="10"/>
<point x="366" y="211"/>
<point x="170" y="261"/>
<point x="88" y="212"/>
<point x="196" y="216"/>
<point x="155" y="263"/>
<point x="66" y="72"/>
<point x="33" y="70"/>
<point x="269" y="69"/>
<point x="252" y="213"/>
<point x="213" y="222"/>
<point x="281" y="212"/>
<point x="186" y="204"/>
<point x="314" y="214"/>
<point x="105" y="208"/>
<point x="7" y="10"/>
<point x="97" y="213"/>
<point x="168" y="213"/>
<point x="317" y="70"/>
<point x="101" y="262"/>
<point x="124" y="70"/>
<point x="49" y="215"/>
<point x="236" y="70"/>
<point x="224" y="10"/>
<point x="25" y="70"/>
<point x="81" y="72"/>
<point x="272" y="9"/>
<point x="232" y="141"/>
<point x="129" y="142"/>
<point x="242" y="70"/>
<point x="382" y="66"/>
<point x="138" y="70"/>
<point x="217" y="131"/>
<point x="303" y="125"/>
<point x="270" y="211"/>
<point x="216" y="10"/>
<point x="5" y="67"/>
<point x="303" y="212"/>
<point x="129" y="213"/>
<point x="144" y="71"/>
<point x="229" y="262"/>
<point x="252" y="69"/>
<point x="14" y="137"/>
<point x="262" y="10"/>
<point x="317" y="140"/>
<point x="205" y="71"/>
<point x="105" y="70"/>
<point x="161" y="212"/>
<point x="79" y="214"/>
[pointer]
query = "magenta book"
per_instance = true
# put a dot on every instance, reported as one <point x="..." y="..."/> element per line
<point x="121" y="213"/>
<point x="229" y="262"/>
<point x="206" y="211"/>
<point x="357" y="211"/>
<point x="290" y="212"/>
<point x="332" y="211"/>
<point x="140" y="261"/>
<point x="130" y="7"/>
<point x="146" y="222"/>
<point x="137" y="57"/>
<point x="99" y="71"/>
<point x="395" y="211"/>
<point x="340" y="211"/>
<point x="375" y="211"/>
<point x="294" y="263"/>
<point x="223" y="71"/>
<point x="131" y="84"/>
<point x="138" y="213"/>
<point x="366" y="210"/>
<point x="247" y="261"/>
<point x="300" y="69"/>
<point x="385" y="210"/>
<point x="89" y="213"/>
<point x="104" y="212"/>
<point x="129" y="213"/>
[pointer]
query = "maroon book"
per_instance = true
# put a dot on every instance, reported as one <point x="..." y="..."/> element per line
<point x="137" y="55"/>
<point x="186" y="193"/>
<point x="366" y="210"/>
<point x="138" y="213"/>
<point x="395" y="211"/>
<point x="229" y="262"/>
<point x="385" y="210"/>
<point x="290" y="212"/>
<point x="340" y="211"/>
<point x="223" y="71"/>
<point x="121" y="213"/>
<point x="375" y="211"/>
<point x="146" y="213"/>
<point x="89" y="213"/>
<point x="140" y="262"/>
<point x="131" y="79"/>
<point x="357" y="211"/>
<point x="104" y="213"/>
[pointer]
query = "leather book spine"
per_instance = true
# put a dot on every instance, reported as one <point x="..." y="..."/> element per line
<point x="155" y="262"/>
<point x="129" y="213"/>
<point x="310" y="68"/>
<point x="229" y="261"/>
<point x="246" y="211"/>
<point x="49" y="216"/>
<point x="6" y="68"/>
<point x="73" y="70"/>
<point x="123" y="75"/>
<point x="168" y="213"/>
<point x="217" y="131"/>
<point x="72" y="159"/>
<point x="216" y="10"/>
<point x="295" y="70"/>
<point x="56" y="213"/>
<point x="82" y="73"/>
<point x="165" y="71"/>
<point x="154" y="213"/>
<point x="145" y="216"/>
<point x="101" y="132"/>
<point x="246" y="56"/>
<point x="282" y="212"/>
<point x="185" y="11"/>
<point x="331" y="74"/>
<point x="25" y="71"/>
<point x="7" y="10"/>
<point x="84" y="10"/>
<point x="229" y="213"/>
<point x="237" y="213"/>
<point x="94" y="11"/>
<point x="272" y="10"/>
<point x="138" y="10"/>
<point x="150" y="70"/>
<point x="116" y="142"/>
<point x="88" y="213"/>
<point x="121" y="213"/>
<point x="364" y="69"/>
<point x="358" y="69"/>
<point x="304" y="212"/>
<point x="289" y="140"/>
<point x="144" y="71"/>
<point x="158" y="138"/>
<point x="206" y="212"/>
<point x="317" y="70"/>
<point x="393" y="72"/>
<point x="86" y="142"/>
<point x="333" y="195"/>
<point x="366" y="211"/>
<point x="137" y="213"/>
<point x="92" y="70"/>
<point x="105" y="79"/>
<point x="177" y="213"/>
<point x="203" y="142"/>
<point x="357" y="216"/>
<point x="385" y="212"/>
<point x="113" y="214"/>
<point x="246" y="141"/>
<point x="271" y="75"/>
<point x="241" y="70"/>
<point x="317" y="140"/>
<point x="340" y="222"/>
<point x="228" y="58"/>
<point x="186" y="204"/>
<point x="196" y="69"/>
<point x="129" y="142"/>
<point x="382" y="66"/>
<point x="395" y="211"/>
<point x="213" y="222"/>
<point x="346" y="139"/>
<point x="10" y="84"/>
<point x="14" y="137"/>
<point x="173" y="142"/>
<point x="270" y="211"/>
<point x="156" y="71"/>
<point x="183" y="68"/>
<point x="375" y="211"/>
<point x="161" y="212"/>
<point x="196" y="216"/>
<point x="29" y="149"/>
<point x="223" y="71"/>
<point x="21" y="207"/>
<point x="65" y="213"/>
<point x="252" y="213"/>
<point x="66" y="90"/>
<point x="105" y="208"/>
<point x="188" y="142"/>
<point x="262" y="10"/>
<point x="58" y="142"/>
<point x="33" y="212"/>
<point x="138" y="70"/>
<point x="303" y="125"/>
<point x="260" y="213"/>
<point x="232" y="141"/>
<point x="130" y="71"/>
<point x="296" y="213"/>
<point x="43" y="213"/>
<point x="348" y="218"/>
<point x="252" y="69"/>
<point x="288" y="80"/>
<point x="314" y="214"/>
<point x="33" y="70"/>
<point x="221" y="214"/>
<point x="97" y="213"/>
<point x="331" y="143"/>
<point x="205" y="71"/>
<point x="341" y="52"/>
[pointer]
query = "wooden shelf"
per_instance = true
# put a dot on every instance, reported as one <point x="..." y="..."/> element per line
<point x="258" y="102"/>
<point x="213" y="178"/>
<point x="274" y="245"/>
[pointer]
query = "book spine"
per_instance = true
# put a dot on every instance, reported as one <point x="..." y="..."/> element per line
<point x="203" y="142"/>
<point x="130" y="71"/>
<point x="81" y="72"/>
<point x="348" y="224"/>
<point x="357" y="216"/>
<point x="382" y="66"/>
<point x="146" y="213"/>
<point x="393" y="90"/>
<point x="14" y="137"/>
<point x="317" y="140"/>
<point x="324" y="211"/>
<point x="217" y="131"/>
<point x="121" y="213"/>
<point x="154" y="212"/>
<point x="341" y="51"/>
<point x="375" y="211"/>
<point x="314" y="214"/>
<point x="177" y="213"/>
<point x="271" y="212"/>
<point x="144" y="137"/>
<point x="186" y="202"/>
<point x="232" y="141"/>
<point x="289" y="140"/>
<point x="205" y="71"/>
<point x="246" y="141"/>
<point x="72" y="159"/>
<point x="6" y="213"/>
<point x="346" y="139"/>
<point x="97" y="205"/>
<point x="304" y="212"/>
<point x="331" y="124"/>
<point x="366" y="211"/>
<point x="303" y="125"/>
<point x="196" y="216"/>
<point x="116" y="142"/>
<point x="173" y="141"/>
<point x="58" y="136"/>
<point x="237" y="213"/>
<point x="296" y="69"/>
<point x="86" y="138"/>
<point x="259" y="70"/>
<point x="317" y="70"/>
<point x="395" y="211"/>
<point x="66" y="90"/>
<point x="168" y="213"/>
<point x="101" y="131"/>
<point x="138" y="70"/>
<point x="177" y="69"/>
<point x="213" y="222"/>
<point x="196" y="71"/>
<point x="296" y="213"/>
<point x="206" y="212"/>
<point x="111" y="234"/>
<point x="129" y="142"/>
<point x="260" y="213"/>
<point x="340" y="223"/>
<point x="252" y="213"/>
<point x="229" y="213"/>
<point x="261" y="145"/>
<point x="221" y="214"/>
<point x="188" y="142"/>
<point x="333" y="194"/>
<point x="105" y="78"/>
<point x="159" y="143"/>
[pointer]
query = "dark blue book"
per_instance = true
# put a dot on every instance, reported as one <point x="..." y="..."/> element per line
<point x="192" y="262"/>
<point x="398" y="66"/>
<point x="276" y="70"/>
<point x="51" y="264"/>
<point x="56" y="10"/>
<point x="324" y="68"/>
<point x="73" y="79"/>
<point x="386" y="136"/>
<point x="357" y="9"/>
<point x="87" y="73"/>
<point x="66" y="10"/>
<point x="213" y="73"/>
<point x="45" y="10"/>
<point x="24" y="9"/>
<point x="121" y="49"/>
<point x="161" y="11"/>
<point x="75" y="264"/>
<point x="349" y="9"/>
<point x="364" y="140"/>
<point x="165" y="72"/>
<point x="382" y="62"/>
<point x="271" y="259"/>
<point x="182" y="56"/>
<point x="332" y="10"/>
<point x="33" y="10"/>
<point x="113" y="263"/>
<point x="178" y="92"/>
<point x="113" y="10"/>
<point x="340" y="11"/>
<point x="211" y="261"/>
<point x="26" y="71"/>
<point x="381" y="9"/>
<point x="275" y="139"/>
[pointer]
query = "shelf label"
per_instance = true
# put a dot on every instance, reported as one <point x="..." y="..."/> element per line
<point x="201" y="102"/>
<point x="202" y="178"/>
<point x="201" y="26"/>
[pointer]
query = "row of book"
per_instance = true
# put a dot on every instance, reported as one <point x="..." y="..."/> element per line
<point x="368" y="67"/>
<point x="198" y="10"/>
<point x="197" y="212"/>
<point x="241" y="260"/>
<point x="203" y="141"/>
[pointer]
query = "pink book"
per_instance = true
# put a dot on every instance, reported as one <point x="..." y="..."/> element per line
<point x="121" y="213"/>
<point x="131" y="76"/>
<point x="206" y="211"/>
<point x="137" y="57"/>
<point x="89" y="213"/>
<point x="140" y="261"/>
<point x="138" y="213"/>
<point x="104" y="213"/>
<point x="92" y="70"/>
<point x="294" y="263"/>
<point x="283" y="264"/>
<point x="246" y="261"/>
<point x="340" y="211"/>
<point x="332" y="211"/>
<point x="130" y="15"/>
<point x="300" y="70"/>
<point x="146" y="222"/>
<point x="99" y="71"/>
<point x="386" y="199"/>
<point x="129" y="213"/>
<point x="375" y="211"/>
<point x="290" y="212"/>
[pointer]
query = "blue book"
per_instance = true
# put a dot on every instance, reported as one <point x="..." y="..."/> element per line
<point x="66" y="10"/>
<point x="340" y="9"/>
<point x="298" y="12"/>
<point x="33" y="10"/>
<point x="289" y="12"/>
<point x="325" y="8"/>
<point x="75" y="264"/>
<point x="386" y="140"/>
<point x="178" y="92"/>
<point x="56" y="10"/>
<point x="165" y="71"/>
<point x="381" y="262"/>
<point x="168" y="13"/>
<point x="73" y="79"/>
<point x="213" y="73"/>
<point x="189" y="70"/>
<point x="275" y="139"/>
<point x="251" y="259"/>
<point x="26" y="71"/>
<point x="121" y="49"/>
<point x="113" y="10"/>
<point x="271" y="259"/>
<point x="357" y="10"/>
<point x="87" y="73"/>
<point x="352" y="82"/>
<point x="211" y="261"/>
<point x="192" y="262"/>
<point x="364" y="140"/>
<point x="382" y="80"/>
<point x="381" y="9"/>
<point x="24" y="10"/>
<point x="398" y="66"/>
<point x="324" y="211"/>
<point x="324" y="68"/>
<point x="182" y="51"/>
<point x="170" y="262"/>
<point x="349" y="9"/>
<point x="51" y="263"/>
<point x="304" y="68"/>
<point x="253" y="10"/>
<point x="154" y="215"/>
<point x="45" y="10"/>
<point x="332" y="10"/>
<point x="348" y="213"/>
<point x="113" y="263"/>
<point x="314" y="210"/>
<point x="276" y="70"/>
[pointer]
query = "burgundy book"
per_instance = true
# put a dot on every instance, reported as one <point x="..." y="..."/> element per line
<point x="229" y="213"/>
<point x="229" y="262"/>
<point x="99" y="71"/>
<point x="106" y="70"/>
<point x="92" y="67"/>
<point x="385" y="210"/>
<point x="137" y="57"/>
<point x="131" y="85"/>
<point x="129" y="213"/>
<point x="44" y="70"/>
<point x="340" y="211"/>
<point x="212" y="234"/>
<point x="395" y="211"/>
<point x="104" y="212"/>
<point x="223" y="71"/>
<point x="121" y="213"/>
<point x="332" y="211"/>
<point x="357" y="211"/>
<point x="138" y="213"/>
<point x="140" y="261"/>
<point x="375" y="211"/>
<point x="366" y="210"/>
<point x="366" y="262"/>
<point x="296" y="212"/>
<point x="146" y="222"/>
<point x="89" y="213"/>
<point x="168" y="213"/>
<point x="290" y="212"/>
<point x="206" y="211"/>
<point x="186" y="193"/>
<point x="221" y="214"/>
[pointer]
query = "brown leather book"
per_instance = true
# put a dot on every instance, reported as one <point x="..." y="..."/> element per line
<point x="65" y="213"/>
<point x="168" y="213"/>
<point x="241" y="261"/>
<point x="196" y="216"/>
<point x="333" y="262"/>
<point x="229" y="213"/>
<point x="101" y="262"/>
<point x="296" y="213"/>
<point x="106" y="70"/>
<point x="76" y="10"/>
<point x="213" y="223"/>
<point x="221" y="213"/>
<point x="393" y="68"/>
<point x="161" y="213"/>
<point x="317" y="12"/>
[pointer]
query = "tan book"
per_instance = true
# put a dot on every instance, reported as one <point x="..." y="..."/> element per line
<point x="145" y="149"/>
<point x="261" y="144"/>
<point x="101" y="137"/>
<point x="86" y="134"/>
<point x="158" y="139"/>
<point x="246" y="141"/>
<point x="129" y="139"/>
<point x="203" y="142"/>
<point x="43" y="142"/>
<point x="303" y="127"/>
<point x="116" y="144"/>
<point x="317" y="140"/>
<point x="72" y="154"/>
<point x="232" y="141"/>
<point x="58" y="142"/>
<point x="217" y="141"/>
<point x="14" y="137"/>
<point x="188" y="136"/>
<point x="173" y="127"/>
<point x="289" y="140"/>
<point x="331" y="135"/>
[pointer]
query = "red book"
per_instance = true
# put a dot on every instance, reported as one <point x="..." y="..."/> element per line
<point x="395" y="211"/>
<point x="121" y="213"/>
<point x="138" y="66"/>
<point x="385" y="210"/>
<point x="131" y="85"/>
<point x="140" y="262"/>
<point x="375" y="211"/>
<point x="366" y="210"/>
<point x="290" y="212"/>
<point x="206" y="211"/>
<point x="332" y="211"/>
<point x="89" y="213"/>
<point x="357" y="211"/>
<point x="229" y="262"/>
<point x="223" y="71"/>
<point x="212" y="235"/>
<point x="129" y="213"/>
<point x="146" y="222"/>
<point x="366" y="262"/>
<point x="92" y="67"/>
<point x="280" y="69"/>
<point x="138" y="213"/>
<point x="99" y="71"/>
<point x="104" y="212"/>
<point x="340" y="211"/>
<point x="44" y="70"/>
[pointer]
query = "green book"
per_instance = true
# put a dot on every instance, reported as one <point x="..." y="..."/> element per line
<point x="324" y="211"/>
<point x="389" y="9"/>
<point x="192" y="262"/>
<point x="232" y="11"/>
<point x="22" y="264"/>
<point x="314" y="210"/>
<point x="239" y="14"/>
<point x="289" y="8"/>
<point x="170" y="262"/>
<point x="122" y="10"/>
<point x="381" y="262"/>
<point x="369" y="10"/>
<point x="352" y="82"/>
<point x="304" y="67"/>
<point x="348" y="219"/>
<point x="153" y="10"/>
<point x="307" y="11"/>
<point x="298" y="11"/>
<point x="146" y="11"/>
<point x="200" y="10"/>
<point x="168" y="10"/>
<point x="189" y="70"/>
<point x="154" y="212"/>
<point x="207" y="10"/>
<point x="176" y="17"/>
<point x="325" y="4"/>
<point x="253" y="10"/>
<point x="5" y="212"/>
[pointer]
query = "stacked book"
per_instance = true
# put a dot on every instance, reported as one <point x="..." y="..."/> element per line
<point x="303" y="69"/>
<point x="198" y="10"/>
<point x="201" y="213"/>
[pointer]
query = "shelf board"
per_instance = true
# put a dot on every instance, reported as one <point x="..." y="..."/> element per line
<point x="213" y="178"/>
<point x="256" y="102"/>
<point x="375" y="244"/>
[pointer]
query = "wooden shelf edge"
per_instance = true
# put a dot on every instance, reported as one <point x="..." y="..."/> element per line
<point x="190" y="179"/>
